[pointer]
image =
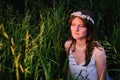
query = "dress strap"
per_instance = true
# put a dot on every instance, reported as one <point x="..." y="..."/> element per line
<point x="93" y="56"/>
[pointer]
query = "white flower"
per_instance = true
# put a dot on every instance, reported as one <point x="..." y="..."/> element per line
<point x="82" y="16"/>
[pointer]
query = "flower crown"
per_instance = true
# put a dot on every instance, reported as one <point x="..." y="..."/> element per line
<point x="79" y="14"/>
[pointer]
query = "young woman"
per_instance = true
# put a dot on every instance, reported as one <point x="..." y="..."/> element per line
<point x="87" y="58"/>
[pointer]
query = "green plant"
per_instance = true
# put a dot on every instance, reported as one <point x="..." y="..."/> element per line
<point x="31" y="43"/>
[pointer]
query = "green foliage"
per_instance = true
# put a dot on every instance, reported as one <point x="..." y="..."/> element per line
<point x="31" y="42"/>
<point x="113" y="52"/>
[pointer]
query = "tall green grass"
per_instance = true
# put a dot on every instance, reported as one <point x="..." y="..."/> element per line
<point x="113" y="53"/>
<point x="38" y="56"/>
<point x="31" y="44"/>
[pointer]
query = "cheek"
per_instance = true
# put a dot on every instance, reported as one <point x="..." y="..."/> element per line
<point x="71" y="30"/>
<point x="84" y="32"/>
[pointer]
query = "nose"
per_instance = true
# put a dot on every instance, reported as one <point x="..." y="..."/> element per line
<point x="77" y="28"/>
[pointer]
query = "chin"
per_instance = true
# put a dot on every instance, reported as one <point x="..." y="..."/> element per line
<point x="76" y="37"/>
<point x="79" y="37"/>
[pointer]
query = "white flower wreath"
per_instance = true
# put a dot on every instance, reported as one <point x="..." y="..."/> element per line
<point x="82" y="16"/>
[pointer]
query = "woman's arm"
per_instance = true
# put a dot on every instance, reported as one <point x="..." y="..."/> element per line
<point x="100" y="58"/>
<point x="67" y="46"/>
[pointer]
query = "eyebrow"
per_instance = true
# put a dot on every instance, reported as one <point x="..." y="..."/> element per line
<point x="79" y="24"/>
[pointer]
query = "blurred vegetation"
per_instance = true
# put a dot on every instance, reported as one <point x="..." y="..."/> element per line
<point x="33" y="32"/>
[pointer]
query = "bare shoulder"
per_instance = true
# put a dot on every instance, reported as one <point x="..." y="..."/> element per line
<point x="99" y="53"/>
<point x="67" y="44"/>
<point x="99" y="50"/>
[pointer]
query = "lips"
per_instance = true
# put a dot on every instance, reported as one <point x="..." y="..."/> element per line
<point x="76" y="33"/>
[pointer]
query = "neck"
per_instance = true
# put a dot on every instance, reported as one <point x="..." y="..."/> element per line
<point x="81" y="42"/>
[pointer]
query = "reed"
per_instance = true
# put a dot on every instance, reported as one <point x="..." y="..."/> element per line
<point x="32" y="44"/>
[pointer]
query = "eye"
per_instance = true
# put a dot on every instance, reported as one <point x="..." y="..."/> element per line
<point x="81" y="25"/>
<point x="73" y="24"/>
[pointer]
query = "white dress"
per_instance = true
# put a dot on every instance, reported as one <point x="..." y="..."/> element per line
<point x="80" y="72"/>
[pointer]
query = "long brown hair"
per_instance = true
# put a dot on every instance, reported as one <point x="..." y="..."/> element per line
<point x="90" y="37"/>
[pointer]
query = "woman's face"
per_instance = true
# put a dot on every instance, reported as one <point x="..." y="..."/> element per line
<point x="78" y="29"/>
